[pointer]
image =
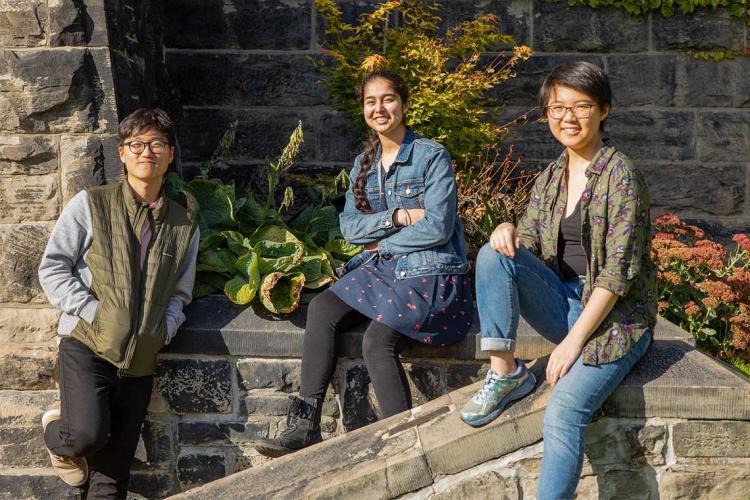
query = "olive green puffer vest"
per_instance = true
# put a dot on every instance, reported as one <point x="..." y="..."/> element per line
<point x="130" y="324"/>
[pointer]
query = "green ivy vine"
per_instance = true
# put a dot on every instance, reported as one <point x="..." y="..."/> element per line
<point x="667" y="8"/>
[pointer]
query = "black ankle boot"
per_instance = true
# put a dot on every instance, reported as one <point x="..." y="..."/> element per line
<point x="302" y="429"/>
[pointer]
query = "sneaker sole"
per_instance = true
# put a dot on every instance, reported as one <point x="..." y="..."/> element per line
<point x="519" y="392"/>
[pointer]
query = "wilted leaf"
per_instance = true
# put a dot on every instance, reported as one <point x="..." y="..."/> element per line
<point x="280" y="292"/>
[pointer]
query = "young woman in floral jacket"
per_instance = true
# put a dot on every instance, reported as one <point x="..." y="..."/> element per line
<point x="577" y="268"/>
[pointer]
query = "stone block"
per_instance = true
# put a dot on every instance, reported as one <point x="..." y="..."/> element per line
<point x="260" y="134"/>
<point x="676" y="380"/>
<point x="618" y="441"/>
<point x="710" y="189"/>
<point x="208" y="79"/>
<point x="20" y="326"/>
<point x="269" y="374"/>
<point x="531" y="140"/>
<point x="715" y="84"/>
<point x="217" y="24"/>
<point x="42" y="483"/>
<point x="490" y="484"/>
<point x="670" y="134"/>
<point x="426" y="382"/>
<point x="461" y="375"/>
<point x="23" y="23"/>
<point x="77" y="23"/>
<point x="514" y="17"/>
<point x="157" y="440"/>
<point x="634" y="79"/>
<point x="338" y="140"/>
<point x="723" y="135"/>
<point x="708" y="481"/>
<point x="150" y="484"/>
<point x="57" y="91"/>
<point x="703" y="29"/>
<point x="195" y="386"/>
<point x="194" y="469"/>
<point x="220" y="434"/>
<point x="358" y="400"/>
<point x="27" y="155"/>
<point x="27" y="368"/>
<point x="21" y="249"/>
<point x="28" y="198"/>
<point x="261" y="404"/>
<point x="88" y="160"/>
<point x="620" y="482"/>
<point x="21" y="441"/>
<point x="521" y="91"/>
<point x="722" y="438"/>
<point x="559" y="28"/>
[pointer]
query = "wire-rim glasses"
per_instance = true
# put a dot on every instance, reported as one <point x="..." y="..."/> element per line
<point x="580" y="111"/>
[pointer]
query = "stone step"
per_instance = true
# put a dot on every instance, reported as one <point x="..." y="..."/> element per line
<point x="216" y="326"/>
<point x="409" y="451"/>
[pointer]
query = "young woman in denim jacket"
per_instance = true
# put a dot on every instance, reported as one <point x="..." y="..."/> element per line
<point x="578" y="269"/>
<point x="410" y="281"/>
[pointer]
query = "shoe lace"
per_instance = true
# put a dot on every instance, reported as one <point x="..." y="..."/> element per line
<point x="491" y="385"/>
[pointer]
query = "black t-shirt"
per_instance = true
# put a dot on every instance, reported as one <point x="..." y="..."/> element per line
<point x="570" y="254"/>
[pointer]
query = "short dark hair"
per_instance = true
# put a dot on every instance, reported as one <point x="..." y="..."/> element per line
<point x="583" y="77"/>
<point x="144" y="119"/>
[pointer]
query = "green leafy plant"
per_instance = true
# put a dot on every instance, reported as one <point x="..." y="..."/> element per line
<point x="448" y="78"/>
<point x="704" y="288"/>
<point x="667" y="8"/>
<point x="249" y="249"/>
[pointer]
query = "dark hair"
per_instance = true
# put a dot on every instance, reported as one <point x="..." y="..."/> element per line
<point x="144" y="119"/>
<point x="371" y="146"/>
<point x="583" y="77"/>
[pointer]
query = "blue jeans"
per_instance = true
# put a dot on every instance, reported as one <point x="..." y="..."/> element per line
<point x="524" y="285"/>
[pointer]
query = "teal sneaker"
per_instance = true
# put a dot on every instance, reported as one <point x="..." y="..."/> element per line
<point x="495" y="394"/>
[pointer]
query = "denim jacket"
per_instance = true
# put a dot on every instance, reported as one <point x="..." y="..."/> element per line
<point x="421" y="177"/>
<point x="616" y="237"/>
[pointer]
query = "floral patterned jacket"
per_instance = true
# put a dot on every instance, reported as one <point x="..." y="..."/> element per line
<point x="616" y="237"/>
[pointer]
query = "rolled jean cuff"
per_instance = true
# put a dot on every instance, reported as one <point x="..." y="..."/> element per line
<point x="497" y="344"/>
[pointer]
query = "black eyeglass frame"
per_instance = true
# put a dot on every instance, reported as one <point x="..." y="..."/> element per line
<point x="147" y="145"/>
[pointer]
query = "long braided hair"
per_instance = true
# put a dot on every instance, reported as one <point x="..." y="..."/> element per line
<point x="372" y="143"/>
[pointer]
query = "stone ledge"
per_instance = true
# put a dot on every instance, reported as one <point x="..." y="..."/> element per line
<point x="410" y="450"/>
<point x="216" y="326"/>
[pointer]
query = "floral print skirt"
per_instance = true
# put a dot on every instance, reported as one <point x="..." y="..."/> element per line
<point x="435" y="310"/>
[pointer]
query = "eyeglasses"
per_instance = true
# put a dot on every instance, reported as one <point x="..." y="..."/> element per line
<point x="137" y="147"/>
<point x="580" y="111"/>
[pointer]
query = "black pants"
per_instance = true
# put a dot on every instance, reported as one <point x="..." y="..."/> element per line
<point x="102" y="415"/>
<point x="327" y="317"/>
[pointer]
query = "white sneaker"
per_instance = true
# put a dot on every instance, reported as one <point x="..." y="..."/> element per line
<point x="72" y="470"/>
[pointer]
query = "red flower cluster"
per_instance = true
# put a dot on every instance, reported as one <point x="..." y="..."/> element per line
<point x="718" y="290"/>
<point x="691" y="308"/>
<point x="740" y="283"/>
<point x="743" y="241"/>
<point x="740" y="330"/>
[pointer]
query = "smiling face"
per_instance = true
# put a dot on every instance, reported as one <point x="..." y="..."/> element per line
<point x="576" y="134"/>
<point x="147" y="166"/>
<point x="383" y="107"/>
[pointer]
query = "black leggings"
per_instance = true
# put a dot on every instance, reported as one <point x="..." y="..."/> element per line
<point x="327" y="317"/>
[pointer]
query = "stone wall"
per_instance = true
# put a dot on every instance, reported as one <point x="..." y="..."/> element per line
<point x="684" y="121"/>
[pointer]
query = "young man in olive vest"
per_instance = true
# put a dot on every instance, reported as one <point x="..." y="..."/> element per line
<point x="120" y="265"/>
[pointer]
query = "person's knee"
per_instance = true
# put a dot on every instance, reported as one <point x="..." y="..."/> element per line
<point x="87" y="439"/>
<point x="563" y="411"/>
<point x="490" y="262"/>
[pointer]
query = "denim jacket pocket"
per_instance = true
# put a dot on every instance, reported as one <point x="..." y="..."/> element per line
<point x="410" y="194"/>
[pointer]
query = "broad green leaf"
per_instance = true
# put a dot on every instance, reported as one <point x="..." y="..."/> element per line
<point x="215" y="210"/>
<point x="280" y="292"/>
<point x="248" y="266"/>
<point x="217" y="260"/>
<point x="252" y="215"/>
<point x="216" y="280"/>
<point x="278" y="249"/>
<point x="239" y="291"/>
<point x="340" y="248"/>
<point x="201" y="289"/>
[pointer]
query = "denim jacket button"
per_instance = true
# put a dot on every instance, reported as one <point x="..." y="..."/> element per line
<point x="387" y="223"/>
<point x="408" y="191"/>
<point x="389" y="192"/>
<point x="403" y="273"/>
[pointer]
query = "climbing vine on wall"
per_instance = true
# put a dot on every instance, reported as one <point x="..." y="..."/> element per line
<point x="667" y="8"/>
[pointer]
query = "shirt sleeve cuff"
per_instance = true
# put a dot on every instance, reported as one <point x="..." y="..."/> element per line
<point x="614" y="285"/>
<point x="88" y="311"/>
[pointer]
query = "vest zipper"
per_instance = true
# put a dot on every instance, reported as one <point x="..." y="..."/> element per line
<point x="130" y="349"/>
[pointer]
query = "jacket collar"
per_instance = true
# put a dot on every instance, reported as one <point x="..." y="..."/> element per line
<point x="133" y="204"/>
<point x="597" y="164"/>
<point x="404" y="150"/>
